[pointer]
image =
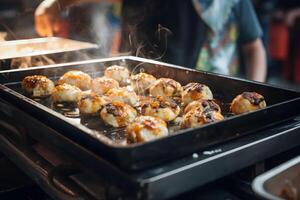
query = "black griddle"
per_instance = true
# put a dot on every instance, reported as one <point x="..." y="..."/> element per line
<point x="161" y="182"/>
<point x="282" y="105"/>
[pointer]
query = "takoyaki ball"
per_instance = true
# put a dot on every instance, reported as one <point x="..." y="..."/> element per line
<point x="195" y="91"/>
<point x="247" y="102"/>
<point x="37" y="86"/>
<point x="203" y="105"/>
<point x="165" y="87"/>
<point x="118" y="114"/>
<point x="119" y="73"/>
<point x="102" y="85"/>
<point x="123" y="95"/>
<point x="146" y="128"/>
<point x="77" y="78"/>
<point x="66" y="93"/>
<point x="164" y="108"/>
<point x="196" y="118"/>
<point x="141" y="82"/>
<point x="91" y="104"/>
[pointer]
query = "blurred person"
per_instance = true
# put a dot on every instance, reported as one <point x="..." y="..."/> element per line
<point x="205" y="34"/>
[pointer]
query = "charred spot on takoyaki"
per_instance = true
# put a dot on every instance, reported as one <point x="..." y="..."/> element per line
<point x="146" y="128"/>
<point x="247" y="102"/>
<point x="37" y="86"/>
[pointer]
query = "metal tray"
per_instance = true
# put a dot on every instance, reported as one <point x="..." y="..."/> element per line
<point x="40" y="46"/>
<point x="282" y="182"/>
<point x="282" y="105"/>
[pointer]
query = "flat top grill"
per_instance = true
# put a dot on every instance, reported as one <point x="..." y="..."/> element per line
<point x="209" y="159"/>
<point x="283" y="105"/>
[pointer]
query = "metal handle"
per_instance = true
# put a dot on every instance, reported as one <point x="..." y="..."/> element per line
<point x="60" y="174"/>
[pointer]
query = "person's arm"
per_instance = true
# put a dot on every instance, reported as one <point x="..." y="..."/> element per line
<point x="48" y="11"/>
<point x="255" y="60"/>
<point x="250" y="34"/>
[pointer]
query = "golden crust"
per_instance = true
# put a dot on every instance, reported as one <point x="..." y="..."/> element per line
<point x="204" y="105"/>
<point x="164" y="108"/>
<point x="91" y="104"/>
<point x="141" y="82"/>
<point x="77" y="78"/>
<point x="196" y="118"/>
<point x="165" y="87"/>
<point x="37" y="85"/>
<point x="66" y="93"/>
<point x="102" y="85"/>
<point x="118" y="114"/>
<point x="195" y="91"/>
<point x="146" y="128"/>
<point x="123" y="95"/>
<point x="118" y="73"/>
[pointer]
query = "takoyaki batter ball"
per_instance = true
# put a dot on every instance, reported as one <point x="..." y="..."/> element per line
<point x="118" y="73"/>
<point x="146" y="128"/>
<point x="141" y="82"/>
<point x="123" y="95"/>
<point x="196" y="118"/>
<point x="102" y="85"/>
<point x="165" y="87"/>
<point x="91" y="104"/>
<point x="66" y="93"/>
<point x="118" y="114"/>
<point x="203" y="105"/>
<point x="164" y="108"/>
<point x="195" y="91"/>
<point x="247" y="102"/>
<point x="37" y="86"/>
<point x="77" y="78"/>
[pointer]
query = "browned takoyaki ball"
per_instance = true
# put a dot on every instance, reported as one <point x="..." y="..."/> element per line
<point x="119" y="73"/>
<point x="102" y="85"/>
<point x="141" y="82"/>
<point x="37" y="86"/>
<point x="196" y="118"/>
<point x="164" y="108"/>
<point x="146" y="128"/>
<point x="247" y="102"/>
<point x="118" y="114"/>
<point x="195" y="91"/>
<point x="91" y="104"/>
<point x="165" y="87"/>
<point x="123" y="95"/>
<point x="203" y="105"/>
<point x="77" y="78"/>
<point x="66" y="93"/>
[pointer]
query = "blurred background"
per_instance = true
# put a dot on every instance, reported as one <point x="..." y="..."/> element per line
<point x="100" y="23"/>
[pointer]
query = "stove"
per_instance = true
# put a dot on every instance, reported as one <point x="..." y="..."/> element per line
<point x="64" y="176"/>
